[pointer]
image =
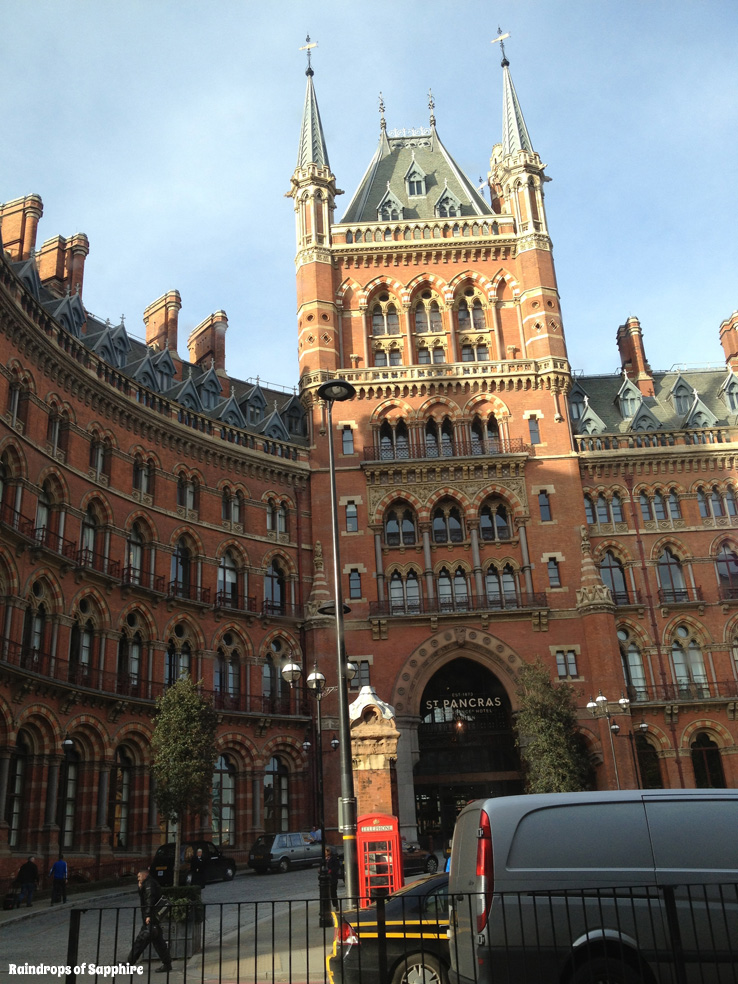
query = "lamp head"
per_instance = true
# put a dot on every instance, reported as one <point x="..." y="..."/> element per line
<point x="601" y="700"/>
<point x="291" y="672"/>
<point x="643" y="727"/>
<point x="350" y="670"/>
<point x="624" y="703"/>
<point x="336" y="391"/>
<point x="615" y="728"/>
<point x="335" y="743"/>
<point x="306" y="746"/>
<point x="316" y="681"/>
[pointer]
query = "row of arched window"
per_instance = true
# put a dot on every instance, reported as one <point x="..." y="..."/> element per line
<point x="448" y="524"/>
<point x="125" y="810"/>
<point x="714" y="502"/>
<point x="438" y="438"/>
<point x="675" y="577"/>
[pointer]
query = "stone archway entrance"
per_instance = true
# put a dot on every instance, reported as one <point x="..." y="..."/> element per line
<point x="466" y="746"/>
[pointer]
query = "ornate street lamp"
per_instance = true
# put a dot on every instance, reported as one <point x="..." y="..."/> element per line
<point x="600" y="708"/>
<point x="336" y="391"/>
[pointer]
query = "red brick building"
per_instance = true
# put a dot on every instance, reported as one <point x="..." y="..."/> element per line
<point x="158" y="516"/>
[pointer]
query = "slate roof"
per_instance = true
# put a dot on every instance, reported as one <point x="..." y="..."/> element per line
<point x="390" y="164"/>
<point x="709" y="384"/>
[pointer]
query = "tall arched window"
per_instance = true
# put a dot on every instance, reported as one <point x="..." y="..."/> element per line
<point x="223" y="814"/>
<point x="67" y="802"/>
<point x="726" y="564"/>
<point x="707" y="763"/>
<point x="80" y="651"/>
<point x="447" y="524"/>
<point x="227" y="668"/>
<point x="181" y="570"/>
<point x="16" y="799"/>
<point x="613" y="577"/>
<point x="179" y="657"/>
<point x="494" y="521"/>
<point x="228" y="594"/>
<point x="501" y="587"/>
<point x="404" y="593"/>
<point x="120" y="799"/>
<point x="134" y="555"/>
<point x="130" y="653"/>
<point x="671" y="577"/>
<point x="43" y="515"/>
<point x="633" y="669"/>
<point x="88" y="539"/>
<point x="649" y="765"/>
<point x="689" y="664"/>
<point x="274" y="589"/>
<point x="276" y="797"/>
<point x="34" y="628"/>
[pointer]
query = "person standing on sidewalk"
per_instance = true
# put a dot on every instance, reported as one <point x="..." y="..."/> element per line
<point x="333" y="864"/>
<point x="28" y="880"/>
<point x="59" y="885"/>
<point x="197" y="869"/>
<point x="150" y="933"/>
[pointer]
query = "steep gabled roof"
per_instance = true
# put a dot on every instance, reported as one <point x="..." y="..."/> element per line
<point x="390" y="165"/>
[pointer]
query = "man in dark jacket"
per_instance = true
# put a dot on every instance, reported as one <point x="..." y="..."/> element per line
<point x="150" y="933"/>
<point x="28" y="880"/>
<point x="197" y="869"/>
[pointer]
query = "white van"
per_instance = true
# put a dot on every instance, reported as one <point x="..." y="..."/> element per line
<point x="596" y="888"/>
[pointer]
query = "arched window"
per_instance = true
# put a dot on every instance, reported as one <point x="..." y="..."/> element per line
<point x="223" y="814"/>
<point x="274" y="688"/>
<point x="34" y="629"/>
<point x="603" y="510"/>
<point x="385" y="319"/>
<point x="485" y="436"/>
<point x="80" y="651"/>
<point x="120" y="799"/>
<point x="274" y="589"/>
<point x="726" y="564"/>
<point x="447" y="524"/>
<point x="43" y="516"/>
<point x="707" y="763"/>
<point x="616" y="507"/>
<point x="589" y="512"/>
<point x="16" y="799"/>
<point x="399" y="527"/>
<point x="671" y="578"/>
<point x="276" y="797"/>
<point x="67" y="801"/>
<point x="179" y="657"/>
<point x="633" y="670"/>
<point x="143" y="476"/>
<point x="613" y="577"/>
<point x="134" y="555"/>
<point x="689" y="664"/>
<point x="645" y="504"/>
<point x="88" y="539"/>
<point x="228" y="594"/>
<point x="501" y="587"/>
<point x="227" y="669"/>
<point x="130" y="651"/>
<point x="431" y="439"/>
<point x="649" y="765"/>
<point x="181" y="570"/>
<point x="494" y="521"/>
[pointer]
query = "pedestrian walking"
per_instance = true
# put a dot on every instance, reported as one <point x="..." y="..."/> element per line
<point x="28" y="880"/>
<point x="59" y="884"/>
<point x="150" y="933"/>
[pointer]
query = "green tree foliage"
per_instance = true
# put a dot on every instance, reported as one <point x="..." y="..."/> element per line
<point x="554" y="759"/>
<point x="184" y="754"/>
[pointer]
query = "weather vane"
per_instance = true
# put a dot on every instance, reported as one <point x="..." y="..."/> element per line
<point x="501" y="38"/>
<point x="308" y="46"/>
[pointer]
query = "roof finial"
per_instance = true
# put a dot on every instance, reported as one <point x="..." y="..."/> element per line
<point x="431" y="107"/>
<point x="307" y="47"/>
<point x="501" y="38"/>
<point x="382" y="120"/>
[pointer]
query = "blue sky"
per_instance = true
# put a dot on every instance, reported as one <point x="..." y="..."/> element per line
<point x="168" y="131"/>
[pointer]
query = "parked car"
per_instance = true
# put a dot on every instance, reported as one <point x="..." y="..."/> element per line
<point x="416" y="917"/>
<point x="218" y="867"/>
<point x="280" y="852"/>
<point x="610" y="887"/>
<point x="415" y="859"/>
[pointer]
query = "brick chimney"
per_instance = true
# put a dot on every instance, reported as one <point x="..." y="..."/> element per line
<point x="20" y="223"/>
<point x="61" y="263"/>
<point x="729" y="340"/>
<point x="633" y="356"/>
<point x="161" y="318"/>
<point x="207" y="342"/>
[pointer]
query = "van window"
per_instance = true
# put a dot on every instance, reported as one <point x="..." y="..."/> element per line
<point x="689" y="835"/>
<point x="296" y="840"/>
<point x="582" y="836"/>
<point x="282" y="842"/>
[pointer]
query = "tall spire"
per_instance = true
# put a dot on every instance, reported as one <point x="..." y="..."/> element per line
<point x="312" y="149"/>
<point x="514" y="131"/>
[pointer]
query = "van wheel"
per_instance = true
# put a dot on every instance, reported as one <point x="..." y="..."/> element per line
<point x="420" y="968"/>
<point x="606" y="971"/>
<point x="284" y="866"/>
<point x="228" y="874"/>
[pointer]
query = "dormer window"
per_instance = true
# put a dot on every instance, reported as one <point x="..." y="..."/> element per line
<point x="389" y="210"/>
<point x="447" y="205"/>
<point x="415" y="184"/>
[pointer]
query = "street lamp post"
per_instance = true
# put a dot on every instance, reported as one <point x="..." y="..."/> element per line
<point x="338" y="390"/>
<point x="316" y="685"/>
<point x="600" y="708"/>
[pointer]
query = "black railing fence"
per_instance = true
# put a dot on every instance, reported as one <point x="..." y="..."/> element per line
<point x="666" y="934"/>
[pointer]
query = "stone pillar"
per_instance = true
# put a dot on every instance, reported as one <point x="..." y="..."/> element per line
<point x="374" y="739"/>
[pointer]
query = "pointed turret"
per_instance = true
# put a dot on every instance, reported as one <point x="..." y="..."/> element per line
<point x="312" y="149"/>
<point x="314" y="193"/>
<point x="515" y="135"/>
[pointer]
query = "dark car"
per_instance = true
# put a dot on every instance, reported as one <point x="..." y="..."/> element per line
<point x="416" y="919"/>
<point x="283" y="851"/>
<point x="218" y="867"/>
<point x="416" y="860"/>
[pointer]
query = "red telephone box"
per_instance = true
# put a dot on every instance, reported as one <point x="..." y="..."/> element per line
<point x="379" y="855"/>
